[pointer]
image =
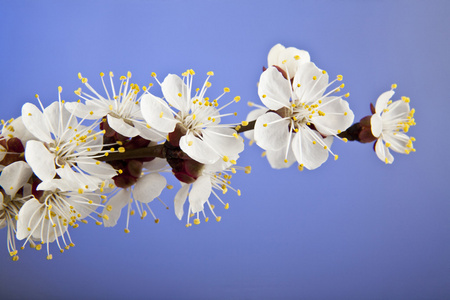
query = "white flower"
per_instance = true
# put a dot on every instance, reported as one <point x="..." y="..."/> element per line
<point x="47" y="219"/>
<point x="287" y="58"/>
<point x="388" y="123"/>
<point x="13" y="177"/>
<point x="148" y="187"/>
<point x="121" y="108"/>
<point x="198" y="118"/>
<point x="303" y="117"/>
<point x="62" y="142"/>
<point x="198" y="192"/>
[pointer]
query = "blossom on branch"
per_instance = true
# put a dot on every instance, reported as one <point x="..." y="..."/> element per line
<point x="389" y="123"/>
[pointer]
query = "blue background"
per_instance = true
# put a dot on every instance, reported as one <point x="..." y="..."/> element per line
<point x="352" y="229"/>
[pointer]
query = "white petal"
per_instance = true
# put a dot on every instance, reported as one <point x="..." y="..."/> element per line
<point x="383" y="152"/>
<point x="200" y="192"/>
<point x="274" y="90"/>
<point x="94" y="167"/>
<point x="58" y="118"/>
<point x="175" y="92"/>
<point x="397" y="141"/>
<point x="291" y="63"/>
<point x="221" y="139"/>
<point x="92" y="110"/>
<point x="180" y="199"/>
<point x="310" y="89"/>
<point x="398" y="110"/>
<point x="28" y="218"/>
<point x="31" y="117"/>
<point x="273" y="136"/>
<point x="276" y="158"/>
<point x="14" y="176"/>
<point x="148" y="187"/>
<point x="376" y="125"/>
<point x="120" y="126"/>
<point x="155" y="165"/>
<point x="306" y="152"/>
<point x="40" y="160"/>
<point x="338" y="116"/>
<point x="157" y="113"/>
<point x="116" y="204"/>
<point x="198" y="149"/>
<point x="272" y="58"/>
<point x="383" y="100"/>
<point x="78" y="180"/>
<point x="149" y="133"/>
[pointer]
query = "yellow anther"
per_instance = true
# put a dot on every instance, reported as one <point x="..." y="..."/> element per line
<point x="59" y="89"/>
<point x="340" y="77"/>
<point x="49" y="257"/>
<point x="300" y="167"/>
<point x="98" y="223"/>
<point x="38" y="247"/>
<point x="80" y="191"/>
<point x="122" y="77"/>
<point x="265" y="125"/>
<point x="284" y="61"/>
<point x="121" y="149"/>
<point x="345" y="140"/>
<point x="225" y="158"/>
<point x="237" y="98"/>
<point x="210" y="73"/>
<point x="226" y="90"/>
<point x="190" y="143"/>
<point x="386" y="160"/>
<point x="105" y="217"/>
<point x="128" y="74"/>
<point x="314" y="142"/>
<point x="218" y="219"/>
<point x="80" y="76"/>
<point x="314" y="77"/>
<point x="233" y="161"/>
<point x="196" y="221"/>
<point x="394" y="86"/>
<point x="208" y="84"/>
<point x="296" y="57"/>
<point x="236" y="135"/>
<point x="324" y="72"/>
<point x="127" y="230"/>
<point x="227" y="206"/>
<point x="239" y="192"/>
<point x="15" y="258"/>
<point x="342" y="86"/>
<point x="153" y="74"/>
<point x="84" y="80"/>
<point x="263" y="154"/>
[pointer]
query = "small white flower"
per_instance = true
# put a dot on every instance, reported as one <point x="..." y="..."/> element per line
<point x="148" y="187"/>
<point x="303" y="117"/>
<point x="388" y="123"/>
<point x="287" y="58"/>
<point x="121" y="108"/>
<point x="62" y="142"/>
<point x="204" y="138"/>
<point x="47" y="219"/>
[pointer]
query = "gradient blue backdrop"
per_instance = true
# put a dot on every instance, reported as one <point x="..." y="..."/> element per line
<point x="353" y="229"/>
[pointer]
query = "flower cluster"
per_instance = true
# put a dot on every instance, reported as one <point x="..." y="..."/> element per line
<point x="109" y="152"/>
